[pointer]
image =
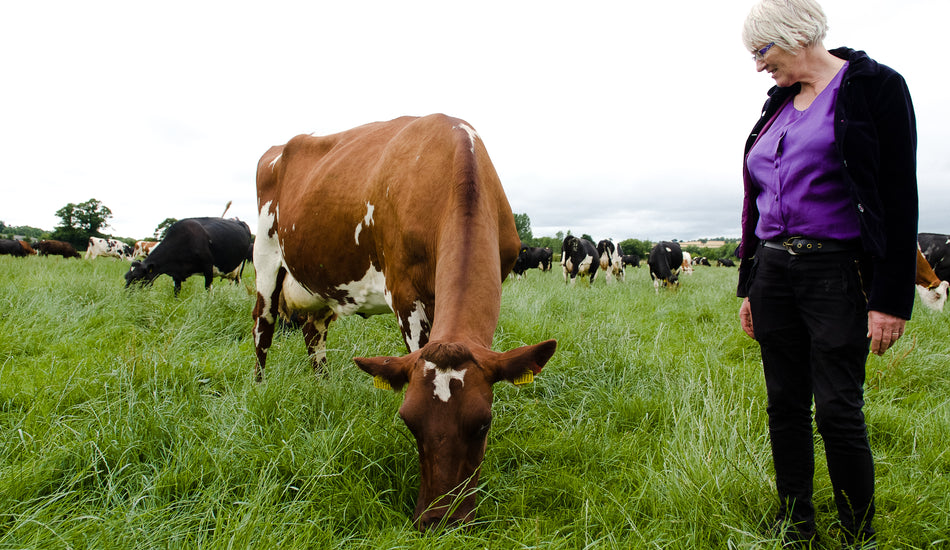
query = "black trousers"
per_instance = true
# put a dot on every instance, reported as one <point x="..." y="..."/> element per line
<point x="809" y="314"/>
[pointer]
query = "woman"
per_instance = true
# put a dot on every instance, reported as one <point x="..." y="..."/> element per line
<point x="829" y="225"/>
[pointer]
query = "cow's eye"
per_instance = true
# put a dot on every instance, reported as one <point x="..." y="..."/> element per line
<point x="483" y="429"/>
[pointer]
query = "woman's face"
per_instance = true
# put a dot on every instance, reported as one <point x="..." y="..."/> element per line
<point x="779" y="63"/>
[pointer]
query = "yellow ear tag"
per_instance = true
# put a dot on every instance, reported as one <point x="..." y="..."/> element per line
<point x="381" y="383"/>
<point x="526" y="377"/>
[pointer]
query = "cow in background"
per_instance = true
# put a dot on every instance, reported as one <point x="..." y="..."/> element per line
<point x="208" y="246"/>
<point x="108" y="247"/>
<point x="936" y="249"/>
<point x="609" y="256"/>
<point x="407" y="216"/>
<point x="532" y="257"/>
<point x="687" y="263"/>
<point x="725" y="262"/>
<point x="630" y="259"/>
<point x="701" y="260"/>
<point x="933" y="291"/>
<point x="56" y="248"/>
<point x="142" y="249"/>
<point x="578" y="257"/>
<point x="13" y="248"/>
<point x="665" y="261"/>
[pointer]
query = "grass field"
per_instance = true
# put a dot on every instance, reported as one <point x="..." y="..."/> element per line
<point x="129" y="419"/>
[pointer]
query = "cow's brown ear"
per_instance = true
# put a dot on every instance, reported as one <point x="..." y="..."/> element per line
<point x="391" y="371"/>
<point x="512" y="365"/>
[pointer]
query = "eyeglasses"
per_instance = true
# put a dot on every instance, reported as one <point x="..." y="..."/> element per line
<point x="759" y="55"/>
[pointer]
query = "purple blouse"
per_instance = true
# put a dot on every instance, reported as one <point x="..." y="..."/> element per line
<point x="798" y="175"/>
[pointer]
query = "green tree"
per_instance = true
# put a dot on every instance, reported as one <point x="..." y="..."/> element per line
<point x="81" y="221"/>
<point x="161" y="228"/>
<point x="523" y="224"/>
<point x="636" y="246"/>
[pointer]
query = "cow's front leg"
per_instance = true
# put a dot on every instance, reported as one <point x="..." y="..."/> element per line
<point x="414" y="318"/>
<point x="315" y="336"/>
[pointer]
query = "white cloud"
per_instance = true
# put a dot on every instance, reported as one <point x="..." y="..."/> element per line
<point x="608" y="118"/>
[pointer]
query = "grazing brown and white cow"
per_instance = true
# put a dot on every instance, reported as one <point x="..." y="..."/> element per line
<point x="406" y="216"/>
<point x="142" y="249"/>
<point x="933" y="291"/>
<point x="687" y="263"/>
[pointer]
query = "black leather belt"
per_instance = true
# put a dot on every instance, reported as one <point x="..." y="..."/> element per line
<point x="797" y="246"/>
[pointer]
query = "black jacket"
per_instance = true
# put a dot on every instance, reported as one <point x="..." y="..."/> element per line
<point x="876" y="140"/>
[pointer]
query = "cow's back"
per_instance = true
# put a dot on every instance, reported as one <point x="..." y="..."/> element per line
<point x="229" y="241"/>
<point x="394" y="208"/>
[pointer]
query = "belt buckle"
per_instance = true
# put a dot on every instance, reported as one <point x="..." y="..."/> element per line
<point x="789" y="245"/>
<point x="800" y="245"/>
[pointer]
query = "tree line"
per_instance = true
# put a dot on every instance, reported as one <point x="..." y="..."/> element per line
<point x="78" y="222"/>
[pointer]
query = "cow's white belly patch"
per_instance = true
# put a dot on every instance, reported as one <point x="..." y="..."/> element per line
<point x="366" y="295"/>
<point x="443" y="380"/>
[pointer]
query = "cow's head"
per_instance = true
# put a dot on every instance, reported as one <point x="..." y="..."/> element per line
<point x="140" y="273"/>
<point x="934" y="297"/>
<point x="447" y="408"/>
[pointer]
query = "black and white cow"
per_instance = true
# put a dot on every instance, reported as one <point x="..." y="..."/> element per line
<point x="665" y="261"/>
<point x="209" y="246"/>
<point x="578" y="257"/>
<point x="531" y="257"/>
<point x="108" y="247"/>
<point x="936" y="250"/>
<point x="701" y="260"/>
<point x="630" y="259"/>
<point x="611" y="263"/>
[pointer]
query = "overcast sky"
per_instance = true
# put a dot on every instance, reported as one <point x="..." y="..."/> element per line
<point x="617" y="119"/>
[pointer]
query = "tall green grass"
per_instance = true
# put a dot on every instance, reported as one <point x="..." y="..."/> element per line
<point x="129" y="419"/>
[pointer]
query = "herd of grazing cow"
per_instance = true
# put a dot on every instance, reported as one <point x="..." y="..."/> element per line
<point x="579" y="257"/>
<point x="406" y="216"/>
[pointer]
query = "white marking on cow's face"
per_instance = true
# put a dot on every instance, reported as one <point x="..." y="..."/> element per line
<point x="367" y="221"/>
<point x="472" y="134"/>
<point x="274" y="162"/>
<point x="443" y="380"/>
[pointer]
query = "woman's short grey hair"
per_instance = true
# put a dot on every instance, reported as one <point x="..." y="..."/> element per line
<point x="791" y="24"/>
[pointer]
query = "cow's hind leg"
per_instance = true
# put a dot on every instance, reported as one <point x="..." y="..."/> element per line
<point x="315" y="336"/>
<point x="265" y="317"/>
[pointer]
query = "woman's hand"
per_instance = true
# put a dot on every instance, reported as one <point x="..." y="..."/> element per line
<point x="745" y="318"/>
<point x="884" y="330"/>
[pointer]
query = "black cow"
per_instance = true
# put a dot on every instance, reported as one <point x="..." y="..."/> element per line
<point x="936" y="249"/>
<point x="532" y="257"/>
<point x="209" y="246"/>
<point x="12" y="247"/>
<point x="725" y="262"/>
<point x="630" y="259"/>
<point x="578" y="257"/>
<point x="665" y="261"/>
